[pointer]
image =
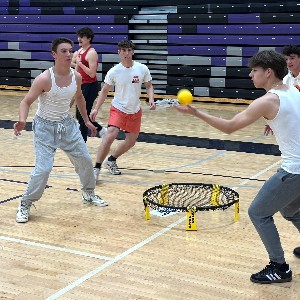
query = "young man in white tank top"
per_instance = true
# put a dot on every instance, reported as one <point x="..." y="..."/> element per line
<point x="280" y="107"/>
<point x="54" y="127"/>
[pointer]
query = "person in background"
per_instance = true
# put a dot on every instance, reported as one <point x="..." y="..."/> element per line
<point x="85" y="61"/>
<point x="292" y="57"/>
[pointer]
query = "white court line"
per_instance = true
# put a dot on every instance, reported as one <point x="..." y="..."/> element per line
<point x="80" y="280"/>
<point x="116" y="259"/>
<point x="260" y="173"/>
<point x="87" y="254"/>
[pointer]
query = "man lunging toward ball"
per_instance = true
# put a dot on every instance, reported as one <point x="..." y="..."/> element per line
<point x="280" y="107"/>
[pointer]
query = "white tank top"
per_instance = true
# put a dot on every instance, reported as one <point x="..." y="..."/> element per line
<point x="286" y="128"/>
<point x="55" y="104"/>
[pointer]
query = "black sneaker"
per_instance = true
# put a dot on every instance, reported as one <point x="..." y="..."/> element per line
<point x="297" y="252"/>
<point x="272" y="274"/>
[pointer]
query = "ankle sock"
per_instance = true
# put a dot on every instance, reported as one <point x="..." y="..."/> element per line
<point x="97" y="166"/>
<point x="112" y="158"/>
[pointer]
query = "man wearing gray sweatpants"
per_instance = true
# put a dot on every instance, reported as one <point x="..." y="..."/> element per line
<point x="280" y="107"/>
<point x="54" y="128"/>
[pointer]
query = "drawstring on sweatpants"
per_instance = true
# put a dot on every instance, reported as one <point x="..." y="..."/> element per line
<point x="60" y="129"/>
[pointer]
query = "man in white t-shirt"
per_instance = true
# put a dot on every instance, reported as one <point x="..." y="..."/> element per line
<point x="292" y="57"/>
<point x="125" y="113"/>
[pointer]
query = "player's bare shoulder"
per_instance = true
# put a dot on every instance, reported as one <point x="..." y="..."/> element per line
<point x="43" y="80"/>
<point x="92" y="54"/>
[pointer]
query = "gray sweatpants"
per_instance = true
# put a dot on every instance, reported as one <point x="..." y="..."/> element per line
<point x="48" y="136"/>
<point x="279" y="193"/>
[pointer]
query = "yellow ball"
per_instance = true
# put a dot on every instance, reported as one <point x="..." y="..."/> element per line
<point x="184" y="97"/>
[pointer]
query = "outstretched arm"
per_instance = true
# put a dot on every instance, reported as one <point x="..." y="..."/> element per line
<point x="265" y="106"/>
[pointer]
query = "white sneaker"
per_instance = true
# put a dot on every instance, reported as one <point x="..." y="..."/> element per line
<point x="96" y="173"/>
<point x="112" y="167"/>
<point x="91" y="198"/>
<point x="102" y="132"/>
<point x="23" y="212"/>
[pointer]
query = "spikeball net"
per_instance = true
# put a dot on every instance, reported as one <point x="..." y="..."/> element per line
<point x="190" y="198"/>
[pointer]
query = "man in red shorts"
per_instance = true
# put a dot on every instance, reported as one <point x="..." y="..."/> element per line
<point x="125" y="112"/>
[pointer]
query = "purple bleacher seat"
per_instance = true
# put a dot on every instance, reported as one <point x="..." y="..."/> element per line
<point x="41" y="55"/>
<point x="100" y="48"/>
<point x="174" y="28"/>
<point x="66" y="28"/>
<point x="69" y="10"/>
<point x="218" y="61"/>
<point x="57" y="19"/>
<point x="25" y="37"/>
<point x="249" y="51"/>
<point x="232" y="39"/>
<point x="249" y="29"/>
<point x="20" y="19"/>
<point x="29" y="11"/>
<point x="47" y="56"/>
<point x="3" y="11"/>
<point x="35" y="46"/>
<point x="197" y="50"/>
<point x="3" y="45"/>
<point x="24" y="2"/>
<point x="78" y="19"/>
<point x="245" y="61"/>
<point x="243" y="18"/>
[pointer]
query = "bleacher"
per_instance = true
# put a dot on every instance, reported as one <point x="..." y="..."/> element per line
<point x="203" y="47"/>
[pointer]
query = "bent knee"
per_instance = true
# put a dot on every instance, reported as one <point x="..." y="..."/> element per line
<point x="288" y="215"/>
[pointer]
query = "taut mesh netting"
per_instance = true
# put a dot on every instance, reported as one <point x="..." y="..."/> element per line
<point x="186" y="196"/>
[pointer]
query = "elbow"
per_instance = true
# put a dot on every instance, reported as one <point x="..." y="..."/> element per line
<point x="229" y="130"/>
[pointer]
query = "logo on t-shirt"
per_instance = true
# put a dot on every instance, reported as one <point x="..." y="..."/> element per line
<point x="135" y="79"/>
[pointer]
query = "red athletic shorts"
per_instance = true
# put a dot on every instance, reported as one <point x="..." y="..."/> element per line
<point x="127" y="122"/>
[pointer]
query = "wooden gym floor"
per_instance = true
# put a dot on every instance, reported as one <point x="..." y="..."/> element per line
<point x="71" y="251"/>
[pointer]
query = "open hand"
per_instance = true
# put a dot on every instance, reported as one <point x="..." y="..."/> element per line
<point x="186" y="109"/>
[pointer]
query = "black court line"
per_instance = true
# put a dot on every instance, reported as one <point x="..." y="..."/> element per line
<point x="140" y="169"/>
<point x="195" y="142"/>
<point x="17" y="181"/>
<point x="193" y="173"/>
<point x="12" y="198"/>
